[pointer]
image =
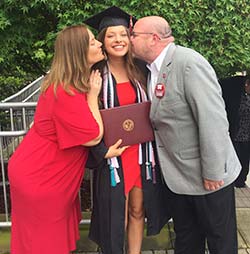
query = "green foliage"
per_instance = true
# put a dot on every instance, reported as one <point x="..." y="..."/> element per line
<point x="218" y="29"/>
<point x="9" y="85"/>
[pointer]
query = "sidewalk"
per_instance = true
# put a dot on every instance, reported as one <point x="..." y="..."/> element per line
<point x="163" y="243"/>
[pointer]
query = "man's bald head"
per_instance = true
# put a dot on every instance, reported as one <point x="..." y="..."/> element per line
<point x="156" y="24"/>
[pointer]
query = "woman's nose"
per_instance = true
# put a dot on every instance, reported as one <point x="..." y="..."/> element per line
<point x="100" y="43"/>
<point x="118" y="38"/>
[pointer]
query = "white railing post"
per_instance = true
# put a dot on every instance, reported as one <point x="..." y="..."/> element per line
<point x="4" y="183"/>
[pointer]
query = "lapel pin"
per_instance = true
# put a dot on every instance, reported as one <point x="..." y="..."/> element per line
<point x="159" y="90"/>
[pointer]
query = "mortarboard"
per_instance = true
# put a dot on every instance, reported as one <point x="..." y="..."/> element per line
<point x="112" y="16"/>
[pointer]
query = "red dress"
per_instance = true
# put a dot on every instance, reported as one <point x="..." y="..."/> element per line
<point x="45" y="174"/>
<point x="131" y="168"/>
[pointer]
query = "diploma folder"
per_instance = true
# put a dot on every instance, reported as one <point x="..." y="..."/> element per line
<point x="130" y="123"/>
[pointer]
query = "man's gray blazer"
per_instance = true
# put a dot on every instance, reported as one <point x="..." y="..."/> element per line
<point x="190" y="123"/>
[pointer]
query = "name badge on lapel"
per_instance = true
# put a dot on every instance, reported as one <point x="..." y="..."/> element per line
<point x="159" y="90"/>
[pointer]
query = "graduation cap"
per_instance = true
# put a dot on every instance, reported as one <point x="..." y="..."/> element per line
<point x="112" y="16"/>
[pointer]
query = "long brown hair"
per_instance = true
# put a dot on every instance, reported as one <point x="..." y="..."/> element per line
<point x="70" y="66"/>
<point x="133" y="70"/>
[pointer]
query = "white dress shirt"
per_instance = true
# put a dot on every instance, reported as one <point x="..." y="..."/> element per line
<point x="154" y="68"/>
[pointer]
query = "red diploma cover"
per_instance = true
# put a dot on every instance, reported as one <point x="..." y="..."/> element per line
<point x="130" y="123"/>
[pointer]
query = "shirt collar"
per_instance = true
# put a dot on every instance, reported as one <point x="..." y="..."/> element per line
<point x="156" y="65"/>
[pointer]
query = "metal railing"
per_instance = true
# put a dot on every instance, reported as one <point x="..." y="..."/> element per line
<point x="16" y="117"/>
<point x="16" y="112"/>
<point x="28" y="93"/>
<point x="15" y="122"/>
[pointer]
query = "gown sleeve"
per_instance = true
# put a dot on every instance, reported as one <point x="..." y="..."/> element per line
<point x="74" y="122"/>
<point x="96" y="157"/>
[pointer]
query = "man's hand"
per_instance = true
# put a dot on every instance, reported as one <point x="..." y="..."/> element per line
<point x="211" y="185"/>
<point x="115" y="150"/>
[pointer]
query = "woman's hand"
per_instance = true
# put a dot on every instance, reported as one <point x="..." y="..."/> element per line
<point x="95" y="83"/>
<point x="115" y="150"/>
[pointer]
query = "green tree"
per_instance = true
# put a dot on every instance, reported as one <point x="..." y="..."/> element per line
<point x="218" y="29"/>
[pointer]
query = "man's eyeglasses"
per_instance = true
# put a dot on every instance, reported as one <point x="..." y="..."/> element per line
<point x="134" y="34"/>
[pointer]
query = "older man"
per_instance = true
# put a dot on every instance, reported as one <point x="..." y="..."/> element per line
<point x="196" y="155"/>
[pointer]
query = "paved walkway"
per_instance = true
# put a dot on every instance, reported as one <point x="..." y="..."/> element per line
<point x="163" y="243"/>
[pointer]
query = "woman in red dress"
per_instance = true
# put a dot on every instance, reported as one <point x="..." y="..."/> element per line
<point x="125" y="189"/>
<point x="46" y="170"/>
